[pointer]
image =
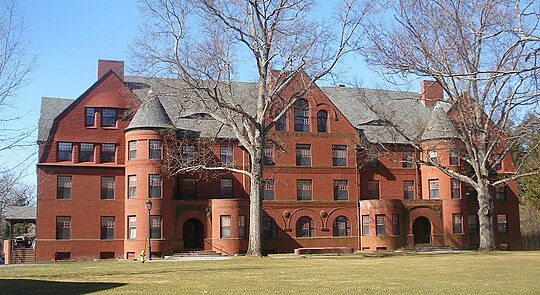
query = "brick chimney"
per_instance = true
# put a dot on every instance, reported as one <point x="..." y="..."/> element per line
<point x="430" y="92"/>
<point x="104" y="66"/>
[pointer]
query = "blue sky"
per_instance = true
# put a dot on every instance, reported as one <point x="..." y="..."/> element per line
<point x="69" y="37"/>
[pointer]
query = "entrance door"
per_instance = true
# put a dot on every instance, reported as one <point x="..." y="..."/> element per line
<point x="193" y="235"/>
<point x="422" y="231"/>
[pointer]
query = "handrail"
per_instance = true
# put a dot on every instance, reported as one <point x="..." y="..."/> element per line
<point x="220" y="249"/>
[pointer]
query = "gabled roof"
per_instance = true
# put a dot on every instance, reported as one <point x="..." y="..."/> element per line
<point x="50" y="109"/>
<point x="20" y="213"/>
<point x="381" y="116"/>
<point x="53" y="108"/>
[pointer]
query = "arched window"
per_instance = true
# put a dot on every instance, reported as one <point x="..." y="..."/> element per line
<point x="281" y="123"/>
<point x="301" y="116"/>
<point x="342" y="227"/>
<point x="305" y="227"/>
<point x="269" y="228"/>
<point x="322" y="121"/>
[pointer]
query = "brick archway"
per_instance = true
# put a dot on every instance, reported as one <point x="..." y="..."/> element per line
<point x="435" y="226"/>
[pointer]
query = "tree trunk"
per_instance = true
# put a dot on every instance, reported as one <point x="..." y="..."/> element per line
<point x="485" y="218"/>
<point x="255" y="205"/>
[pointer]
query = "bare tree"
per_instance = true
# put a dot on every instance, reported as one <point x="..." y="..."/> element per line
<point x="484" y="54"/>
<point x="15" y="66"/>
<point x="205" y="44"/>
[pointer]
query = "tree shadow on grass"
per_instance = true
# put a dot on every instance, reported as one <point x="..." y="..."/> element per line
<point x="26" y="286"/>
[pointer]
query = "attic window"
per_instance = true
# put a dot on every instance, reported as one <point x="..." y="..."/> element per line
<point x="200" y="116"/>
<point x="108" y="117"/>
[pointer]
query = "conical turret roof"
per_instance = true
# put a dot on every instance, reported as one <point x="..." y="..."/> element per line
<point x="151" y="114"/>
<point x="439" y="125"/>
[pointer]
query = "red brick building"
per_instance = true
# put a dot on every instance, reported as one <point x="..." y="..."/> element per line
<point x="100" y="161"/>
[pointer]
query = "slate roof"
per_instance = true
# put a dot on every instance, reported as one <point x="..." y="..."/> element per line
<point x="20" y="213"/>
<point x="150" y="114"/>
<point x="381" y="116"/>
<point x="439" y="125"/>
<point x="50" y="109"/>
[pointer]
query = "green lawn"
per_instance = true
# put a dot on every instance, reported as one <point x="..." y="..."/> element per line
<point x="468" y="273"/>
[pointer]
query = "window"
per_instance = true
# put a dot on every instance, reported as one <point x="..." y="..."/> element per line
<point x="373" y="189"/>
<point x="322" y="121"/>
<point x="132" y="186"/>
<point x="432" y="155"/>
<point x="341" y="227"/>
<point x="107" y="228"/>
<point x="268" y="189"/>
<point x="155" y="227"/>
<point x="434" y="189"/>
<point x="380" y="224"/>
<point x="365" y="225"/>
<point x="63" y="227"/>
<point x="472" y="224"/>
<point x="155" y="149"/>
<point x="407" y="159"/>
<point x="242" y="226"/>
<point x="108" y="117"/>
<point x="154" y="186"/>
<point x="472" y="194"/>
<point x="268" y="156"/>
<point x="303" y="155"/>
<point x="107" y="187"/>
<point x="501" y="192"/>
<point x="408" y="189"/>
<point x="189" y="188"/>
<point x="132" y="154"/>
<point x="132" y="227"/>
<point x="87" y="152"/>
<point x="301" y="116"/>
<point x="455" y="186"/>
<point x="341" y="190"/>
<point x="107" y="152"/>
<point x="64" y="151"/>
<point x="339" y="155"/>
<point x="395" y="225"/>
<point x="225" y="230"/>
<point x="188" y="153"/>
<point x="282" y="122"/>
<point x="226" y="188"/>
<point x="63" y="187"/>
<point x="502" y="223"/>
<point x="89" y="117"/>
<point x="454" y="157"/>
<point x="269" y="228"/>
<point x="305" y="227"/>
<point x="457" y="227"/>
<point x="303" y="189"/>
<point x="226" y="154"/>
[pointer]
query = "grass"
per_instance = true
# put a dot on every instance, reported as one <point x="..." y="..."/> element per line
<point x="467" y="273"/>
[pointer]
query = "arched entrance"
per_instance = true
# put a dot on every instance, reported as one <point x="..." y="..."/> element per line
<point x="422" y="231"/>
<point x="193" y="234"/>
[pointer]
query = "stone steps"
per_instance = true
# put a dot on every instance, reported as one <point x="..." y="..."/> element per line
<point x="23" y="256"/>
<point x="196" y="253"/>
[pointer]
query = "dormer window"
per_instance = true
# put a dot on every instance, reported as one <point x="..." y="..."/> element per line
<point x="108" y="118"/>
<point x="301" y="116"/>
